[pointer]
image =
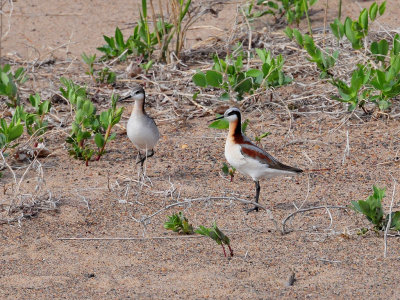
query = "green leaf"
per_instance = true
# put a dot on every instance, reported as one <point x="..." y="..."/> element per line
<point x="225" y="169"/>
<point x="119" y="39"/>
<point x="225" y="96"/>
<point x="244" y="125"/>
<point x="355" y="206"/>
<point x="219" y="124"/>
<point x="396" y="45"/>
<point x="144" y="8"/>
<point x="254" y="73"/>
<point x="289" y="32"/>
<point x="395" y="224"/>
<point x="337" y="29"/>
<point x="298" y="37"/>
<point x="382" y="8"/>
<point x="363" y="19"/>
<point x="380" y="49"/>
<point x="199" y="79"/>
<point x="373" y="11"/>
<point x="214" y="78"/>
<point x="15" y="132"/>
<point x="99" y="140"/>
<point x="244" y="86"/>
<point x="203" y="231"/>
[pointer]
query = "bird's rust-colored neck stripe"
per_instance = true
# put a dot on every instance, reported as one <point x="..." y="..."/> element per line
<point x="235" y="131"/>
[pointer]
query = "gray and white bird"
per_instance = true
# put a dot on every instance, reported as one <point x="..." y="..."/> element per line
<point x="141" y="128"/>
<point x="249" y="159"/>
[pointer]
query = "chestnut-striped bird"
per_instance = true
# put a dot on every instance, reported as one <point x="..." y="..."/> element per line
<point x="249" y="159"/>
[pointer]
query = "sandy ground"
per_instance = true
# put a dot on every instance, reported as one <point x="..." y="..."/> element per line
<point x="105" y="200"/>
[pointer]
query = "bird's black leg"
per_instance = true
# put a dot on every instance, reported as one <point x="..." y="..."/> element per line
<point x="142" y="159"/>
<point x="255" y="208"/>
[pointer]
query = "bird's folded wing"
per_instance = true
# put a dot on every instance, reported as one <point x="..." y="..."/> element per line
<point x="252" y="151"/>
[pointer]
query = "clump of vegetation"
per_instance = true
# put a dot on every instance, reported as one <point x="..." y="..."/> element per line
<point x="9" y="82"/>
<point x="178" y="223"/>
<point x="357" y="30"/>
<point x="89" y="126"/>
<point x="10" y="132"/>
<point x="378" y="80"/>
<point x="372" y="209"/>
<point x="144" y="40"/>
<point x="35" y="122"/>
<point x="104" y="75"/>
<point x="235" y="79"/>
<point x="217" y="235"/>
<point x="293" y="10"/>
<point x="323" y="60"/>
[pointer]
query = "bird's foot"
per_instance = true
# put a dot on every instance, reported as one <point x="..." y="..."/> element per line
<point x="255" y="208"/>
<point x="141" y="161"/>
<point x="143" y="158"/>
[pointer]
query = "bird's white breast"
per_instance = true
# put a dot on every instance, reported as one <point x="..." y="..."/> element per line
<point x="142" y="131"/>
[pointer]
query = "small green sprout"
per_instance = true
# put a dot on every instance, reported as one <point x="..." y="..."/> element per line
<point x="178" y="223"/>
<point x="228" y="170"/>
<point x="260" y="137"/>
<point x="372" y="209"/>
<point x="217" y="235"/>
<point x="89" y="60"/>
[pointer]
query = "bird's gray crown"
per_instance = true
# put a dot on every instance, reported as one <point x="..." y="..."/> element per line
<point x="232" y="111"/>
<point x="137" y="90"/>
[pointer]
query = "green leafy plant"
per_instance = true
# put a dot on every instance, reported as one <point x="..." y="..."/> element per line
<point x="372" y="209"/>
<point x="116" y="46"/>
<point x="83" y="126"/>
<point x="85" y="121"/>
<point x="386" y="84"/>
<point x="89" y="130"/>
<point x="178" y="223"/>
<point x="293" y="10"/>
<point x="89" y="60"/>
<point x="353" y="94"/>
<point x="228" y="170"/>
<point x="379" y="50"/>
<point x="106" y="76"/>
<point x="229" y="74"/>
<point x="107" y="119"/>
<point x="9" y="133"/>
<point x="35" y="122"/>
<point x="217" y="235"/>
<point x="377" y="84"/>
<point x="356" y="30"/>
<point x="9" y="82"/>
<point x="323" y="60"/>
<point x="72" y="92"/>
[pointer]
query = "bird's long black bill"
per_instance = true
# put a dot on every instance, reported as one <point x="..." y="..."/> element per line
<point x="219" y="118"/>
<point x="126" y="97"/>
